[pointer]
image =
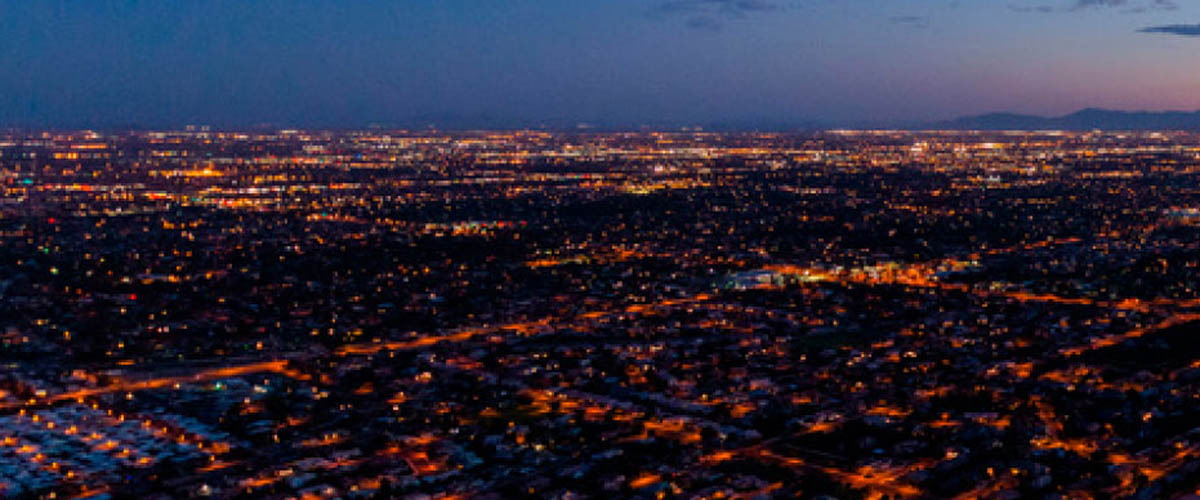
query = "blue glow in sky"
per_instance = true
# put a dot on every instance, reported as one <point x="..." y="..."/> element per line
<point x="489" y="63"/>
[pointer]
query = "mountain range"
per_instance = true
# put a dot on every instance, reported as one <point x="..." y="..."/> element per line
<point x="1087" y="119"/>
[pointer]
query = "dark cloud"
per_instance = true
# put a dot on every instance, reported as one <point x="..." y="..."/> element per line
<point x="1174" y="29"/>
<point x="1043" y="9"/>
<point x="1127" y="6"/>
<point x="708" y="14"/>
<point x="1131" y="7"/>
<point x="731" y="8"/>
<point x="704" y="23"/>
<point x="1156" y="5"/>
<point x="914" y="21"/>
<point x="1087" y="4"/>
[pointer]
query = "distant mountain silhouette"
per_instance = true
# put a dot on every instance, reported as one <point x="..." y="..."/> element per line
<point x="1086" y="119"/>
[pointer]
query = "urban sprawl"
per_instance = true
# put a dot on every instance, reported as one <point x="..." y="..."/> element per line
<point x="572" y="315"/>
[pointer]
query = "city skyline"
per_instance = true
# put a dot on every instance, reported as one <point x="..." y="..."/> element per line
<point x="462" y="64"/>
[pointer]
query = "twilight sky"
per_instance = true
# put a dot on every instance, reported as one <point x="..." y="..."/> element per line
<point x="500" y="63"/>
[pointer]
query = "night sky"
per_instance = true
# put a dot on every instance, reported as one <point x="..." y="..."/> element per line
<point x="514" y="63"/>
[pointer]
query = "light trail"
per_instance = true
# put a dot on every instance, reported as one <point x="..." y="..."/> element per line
<point x="526" y="328"/>
<point x="1111" y="340"/>
<point x="274" y="366"/>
